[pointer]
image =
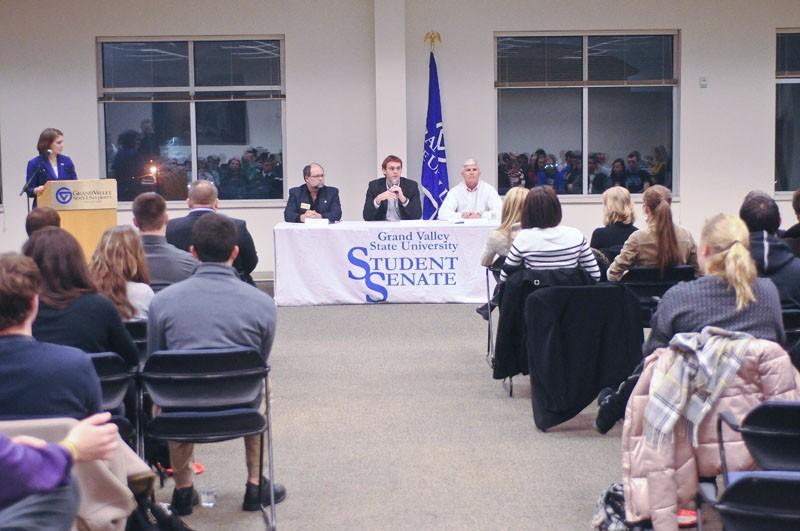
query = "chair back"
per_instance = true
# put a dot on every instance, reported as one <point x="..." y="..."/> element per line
<point x="650" y="282"/>
<point x="758" y="503"/>
<point x="791" y="323"/>
<point x="114" y="378"/>
<point x="205" y="395"/>
<point x="771" y="432"/>
<point x="138" y="331"/>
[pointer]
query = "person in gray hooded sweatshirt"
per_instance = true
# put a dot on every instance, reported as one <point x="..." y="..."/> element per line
<point x="773" y="257"/>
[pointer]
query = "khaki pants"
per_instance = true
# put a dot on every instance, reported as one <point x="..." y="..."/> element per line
<point x="181" y="455"/>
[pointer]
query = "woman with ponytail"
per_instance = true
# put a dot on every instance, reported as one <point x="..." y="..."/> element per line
<point x="730" y="295"/>
<point x="660" y="244"/>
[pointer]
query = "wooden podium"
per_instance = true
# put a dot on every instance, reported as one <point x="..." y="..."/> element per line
<point x="87" y="208"/>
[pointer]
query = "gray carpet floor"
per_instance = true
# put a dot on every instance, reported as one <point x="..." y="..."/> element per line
<point x="386" y="417"/>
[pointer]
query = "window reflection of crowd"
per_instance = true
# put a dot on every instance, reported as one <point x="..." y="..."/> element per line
<point x="565" y="173"/>
<point x="254" y="175"/>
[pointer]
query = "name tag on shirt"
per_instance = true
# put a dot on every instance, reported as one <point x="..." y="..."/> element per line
<point x="305" y="206"/>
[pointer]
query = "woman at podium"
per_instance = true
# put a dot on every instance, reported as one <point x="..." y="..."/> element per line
<point x="49" y="165"/>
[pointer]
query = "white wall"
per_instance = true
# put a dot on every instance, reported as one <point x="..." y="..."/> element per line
<point x="336" y="71"/>
<point x="49" y="78"/>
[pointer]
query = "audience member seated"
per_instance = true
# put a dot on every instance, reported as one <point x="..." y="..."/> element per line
<point x="618" y="218"/>
<point x="37" y="491"/>
<point x="792" y="235"/>
<point x="724" y="298"/>
<point x="180" y="318"/>
<point x="551" y="176"/>
<point x="203" y="198"/>
<point x="71" y="312"/>
<point x="772" y="256"/>
<point x="659" y="167"/>
<point x="313" y="200"/>
<point x="119" y="270"/>
<point x="618" y="176"/>
<point x="545" y="244"/>
<point x="39" y="379"/>
<point x="660" y="244"/>
<point x="472" y="198"/>
<point x="637" y="178"/>
<point x="537" y="162"/>
<point x="41" y="217"/>
<point x="599" y="182"/>
<point x="166" y="264"/>
<point x="573" y="172"/>
<point x="499" y="241"/>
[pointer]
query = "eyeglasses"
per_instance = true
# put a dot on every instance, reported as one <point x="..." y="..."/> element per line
<point x="320" y="176"/>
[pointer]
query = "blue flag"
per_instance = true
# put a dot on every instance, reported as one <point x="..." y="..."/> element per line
<point x="434" y="162"/>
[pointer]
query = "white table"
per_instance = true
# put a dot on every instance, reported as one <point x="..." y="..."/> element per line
<point x="357" y="262"/>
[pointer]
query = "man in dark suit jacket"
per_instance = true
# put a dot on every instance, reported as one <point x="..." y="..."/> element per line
<point x="203" y="198"/>
<point x="393" y="197"/>
<point x="313" y="199"/>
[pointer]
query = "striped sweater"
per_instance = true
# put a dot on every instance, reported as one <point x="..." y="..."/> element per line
<point x="551" y="248"/>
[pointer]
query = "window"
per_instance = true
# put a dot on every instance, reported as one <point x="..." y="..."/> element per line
<point x="787" y="114"/>
<point x="176" y="111"/>
<point x="584" y="112"/>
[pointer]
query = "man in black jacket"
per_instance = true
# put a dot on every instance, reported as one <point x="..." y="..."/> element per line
<point x="774" y="259"/>
<point x="392" y="197"/>
<point x="313" y="199"/>
<point x="792" y="234"/>
<point x="203" y="198"/>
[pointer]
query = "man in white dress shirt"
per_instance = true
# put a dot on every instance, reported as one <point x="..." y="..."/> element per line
<point x="472" y="198"/>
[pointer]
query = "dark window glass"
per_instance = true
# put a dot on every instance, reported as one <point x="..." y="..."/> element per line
<point x="630" y="58"/>
<point x="539" y="119"/>
<point x="539" y="59"/>
<point x="145" y="64"/>
<point x="148" y="148"/>
<point x="627" y="119"/>
<point x="787" y="138"/>
<point x="240" y="148"/>
<point x="789" y="54"/>
<point x="226" y="63"/>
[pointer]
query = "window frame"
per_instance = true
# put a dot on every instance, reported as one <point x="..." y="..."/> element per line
<point x="585" y="85"/>
<point x="191" y="98"/>
<point x="780" y="80"/>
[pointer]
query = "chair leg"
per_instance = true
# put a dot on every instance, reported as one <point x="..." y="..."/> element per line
<point x="139" y="423"/>
<point x="271" y="518"/>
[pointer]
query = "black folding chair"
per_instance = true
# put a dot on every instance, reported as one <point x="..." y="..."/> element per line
<point x="650" y="284"/>
<point x="115" y="380"/>
<point x="791" y="323"/>
<point x="208" y="396"/>
<point x="771" y="432"/>
<point x="138" y="331"/>
<point x="494" y="271"/>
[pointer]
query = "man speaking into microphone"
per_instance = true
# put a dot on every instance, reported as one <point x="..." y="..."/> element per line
<point x="393" y="197"/>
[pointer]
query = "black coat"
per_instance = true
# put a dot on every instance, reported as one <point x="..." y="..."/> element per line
<point x="510" y="356"/>
<point x="610" y="239"/>
<point x="579" y="340"/>
<point x="179" y="234"/>
<point x="413" y="210"/>
<point x="327" y="204"/>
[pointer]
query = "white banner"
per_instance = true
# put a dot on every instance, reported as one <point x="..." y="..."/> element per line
<point x="369" y="262"/>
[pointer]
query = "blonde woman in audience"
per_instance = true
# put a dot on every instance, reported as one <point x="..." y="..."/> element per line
<point x="660" y="244"/>
<point x="729" y="296"/>
<point x="618" y="218"/>
<point x="119" y="269"/>
<point x="499" y="241"/>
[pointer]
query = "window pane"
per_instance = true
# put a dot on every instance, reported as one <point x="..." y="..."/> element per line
<point x="539" y="59"/>
<point x="240" y="148"/>
<point x="787" y="138"/>
<point x="631" y="58"/>
<point x="226" y="63"/>
<point x="145" y="64"/>
<point x="142" y="137"/>
<point x="539" y="119"/>
<point x="623" y="120"/>
<point x="789" y="54"/>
